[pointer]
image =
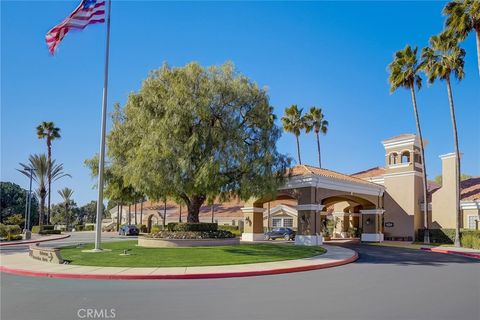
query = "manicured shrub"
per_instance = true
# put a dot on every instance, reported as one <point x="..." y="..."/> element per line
<point x="192" y="235"/>
<point x="89" y="227"/>
<point x="47" y="232"/>
<point x="469" y="238"/>
<point x="201" y="226"/>
<point x="142" y="228"/>
<point x="13" y="229"/>
<point x="35" y="229"/>
<point x="233" y="229"/>
<point x="79" y="227"/>
<point x="3" y="230"/>
<point x="155" y="229"/>
<point x="14" y="237"/>
<point x="48" y="227"/>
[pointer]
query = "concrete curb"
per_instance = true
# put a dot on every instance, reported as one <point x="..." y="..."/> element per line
<point x="16" y="243"/>
<point x="218" y="275"/>
<point x="458" y="253"/>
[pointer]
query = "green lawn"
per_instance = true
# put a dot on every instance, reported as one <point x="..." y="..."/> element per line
<point x="185" y="257"/>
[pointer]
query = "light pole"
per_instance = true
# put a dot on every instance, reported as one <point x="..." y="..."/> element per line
<point x="29" y="198"/>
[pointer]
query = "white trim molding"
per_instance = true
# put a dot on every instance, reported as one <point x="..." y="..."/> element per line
<point x="313" y="180"/>
<point x="473" y="204"/>
<point x="279" y="209"/>
<point x="402" y="174"/>
<point x="372" y="211"/>
<point x="310" y="206"/>
<point x="372" y="237"/>
<point x="247" y="236"/>
<point x="303" y="240"/>
<point x="252" y="210"/>
<point x="449" y="155"/>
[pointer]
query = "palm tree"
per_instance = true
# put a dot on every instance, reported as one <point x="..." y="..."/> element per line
<point x="40" y="172"/>
<point x="66" y="194"/>
<point x="442" y="59"/>
<point x="463" y="17"/>
<point x="404" y="71"/>
<point x="48" y="131"/>
<point x="315" y="120"/>
<point x="293" y="122"/>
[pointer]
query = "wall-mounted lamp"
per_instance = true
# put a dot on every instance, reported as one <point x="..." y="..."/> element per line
<point x="247" y="219"/>
<point x="367" y="222"/>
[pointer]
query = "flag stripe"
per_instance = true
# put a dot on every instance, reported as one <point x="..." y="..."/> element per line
<point x="88" y="12"/>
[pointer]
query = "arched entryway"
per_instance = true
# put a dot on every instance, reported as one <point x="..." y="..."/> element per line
<point x="152" y="220"/>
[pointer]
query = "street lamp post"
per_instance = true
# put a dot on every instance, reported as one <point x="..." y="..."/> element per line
<point x="29" y="198"/>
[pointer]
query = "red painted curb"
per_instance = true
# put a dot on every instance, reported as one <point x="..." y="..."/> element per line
<point x="176" y="276"/>
<point x="33" y="241"/>
<point x="465" y="254"/>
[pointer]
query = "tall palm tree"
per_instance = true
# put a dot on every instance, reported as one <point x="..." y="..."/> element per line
<point x="404" y="73"/>
<point x="40" y="172"/>
<point x="48" y="131"/>
<point x="294" y="122"/>
<point x="463" y="17"/>
<point x="66" y="194"/>
<point x="441" y="60"/>
<point x="315" y="120"/>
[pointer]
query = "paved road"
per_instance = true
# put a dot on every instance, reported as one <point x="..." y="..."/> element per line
<point x="385" y="283"/>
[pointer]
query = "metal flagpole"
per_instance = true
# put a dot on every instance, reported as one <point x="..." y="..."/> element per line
<point x="101" y="161"/>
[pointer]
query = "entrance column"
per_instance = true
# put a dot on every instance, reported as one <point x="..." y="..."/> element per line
<point x="372" y="225"/>
<point x="253" y="223"/>
<point x="308" y="233"/>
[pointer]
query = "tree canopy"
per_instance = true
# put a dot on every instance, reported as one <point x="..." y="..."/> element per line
<point x="193" y="133"/>
<point x="13" y="200"/>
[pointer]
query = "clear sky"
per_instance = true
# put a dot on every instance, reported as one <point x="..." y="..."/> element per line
<point x="328" y="54"/>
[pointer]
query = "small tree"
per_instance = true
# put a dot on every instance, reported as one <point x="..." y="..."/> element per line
<point x="66" y="194"/>
<point x="193" y="132"/>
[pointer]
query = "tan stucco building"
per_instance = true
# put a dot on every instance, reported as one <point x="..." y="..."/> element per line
<point x="375" y="204"/>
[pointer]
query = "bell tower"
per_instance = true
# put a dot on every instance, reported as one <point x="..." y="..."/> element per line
<point x="403" y="182"/>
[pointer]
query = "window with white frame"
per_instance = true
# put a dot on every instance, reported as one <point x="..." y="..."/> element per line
<point x="276" y="222"/>
<point x="472" y="222"/>
<point x="288" y="222"/>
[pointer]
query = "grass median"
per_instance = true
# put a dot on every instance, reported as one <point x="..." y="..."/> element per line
<point x="185" y="257"/>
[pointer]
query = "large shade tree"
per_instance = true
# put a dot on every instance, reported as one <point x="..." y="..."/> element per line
<point x="40" y="173"/>
<point x="47" y="130"/>
<point x="194" y="133"/>
<point x="13" y="200"/>
<point x="315" y="120"/>
<point x="294" y="122"/>
<point x="404" y="73"/>
<point x="442" y="60"/>
<point x="463" y="17"/>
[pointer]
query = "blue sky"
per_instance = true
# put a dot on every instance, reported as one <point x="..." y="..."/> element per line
<point x="329" y="54"/>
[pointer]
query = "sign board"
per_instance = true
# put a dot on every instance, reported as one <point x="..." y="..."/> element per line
<point x="49" y="255"/>
<point x="389" y="224"/>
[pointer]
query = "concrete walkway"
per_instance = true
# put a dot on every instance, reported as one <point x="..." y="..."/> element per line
<point x="22" y="264"/>
<point x="35" y="239"/>
<point x="466" y="252"/>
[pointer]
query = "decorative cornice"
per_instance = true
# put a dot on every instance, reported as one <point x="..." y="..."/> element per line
<point x="311" y="206"/>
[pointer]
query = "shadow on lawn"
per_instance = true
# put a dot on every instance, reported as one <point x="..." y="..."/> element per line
<point x="269" y="250"/>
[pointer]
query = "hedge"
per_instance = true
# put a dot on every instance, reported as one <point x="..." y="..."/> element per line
<point x="469" y="238"/>
<point x="79" y="227"/>
<point x="36" y="229"/>
<point x="10" y="232"/>
<point x="156" y="229"/>
<point x="200" y="226"/>
<point x="233" y="229"/>
<point x="44" y="232"/>
<point x="89" y="227"/>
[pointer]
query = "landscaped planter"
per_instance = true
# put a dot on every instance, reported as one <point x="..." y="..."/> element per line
<point x="185" y="243"/>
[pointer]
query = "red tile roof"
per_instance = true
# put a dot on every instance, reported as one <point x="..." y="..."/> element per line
<point x="305" y="169"/>
<point x="370" y="173"/>
<point x="470" y="189"/>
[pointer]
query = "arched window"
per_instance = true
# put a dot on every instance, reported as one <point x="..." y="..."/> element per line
<point x="392" y="159"/>
<point x="405" y="157"/>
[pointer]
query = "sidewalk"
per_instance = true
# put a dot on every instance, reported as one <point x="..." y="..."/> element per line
<point x="22" y="264"/>
<point x="35" y="239"/>
<point x="466" y="252"/>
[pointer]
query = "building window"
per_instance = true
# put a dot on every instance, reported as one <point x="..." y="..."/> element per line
<point x="392" y="158"/>
<point x="288" y="223"/>
<point x="405" y="157"/>
<point x="472" y="222"/>
<point x="233" y="222"/>
<point x="276" y="223"/>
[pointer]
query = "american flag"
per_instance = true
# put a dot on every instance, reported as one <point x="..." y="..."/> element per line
<point x="88" y="12"/>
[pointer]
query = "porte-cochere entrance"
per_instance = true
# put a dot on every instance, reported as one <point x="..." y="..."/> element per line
<point x="357" y="206"/>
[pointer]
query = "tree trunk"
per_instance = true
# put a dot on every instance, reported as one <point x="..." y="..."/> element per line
<point x="135" y="212"/>
<point x="426" y="233"/>
<point x="478" y="49"/>
<point x="298" y="150"/>
<point x="121" y="214"/>
<point x="457" y="153"/>
<point x="118" y="216"/>
<point x="164" y="214"/>
<point x="141" y="213"/>
<point x="318" y="148"/>
<point x="180" y="215"/>
<point x="194" y="204"/>
<point x="49" y="147"/>
<point x="213" y="211"/>
<point x="41" y="213"/>
<point x="129" y="213"/>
